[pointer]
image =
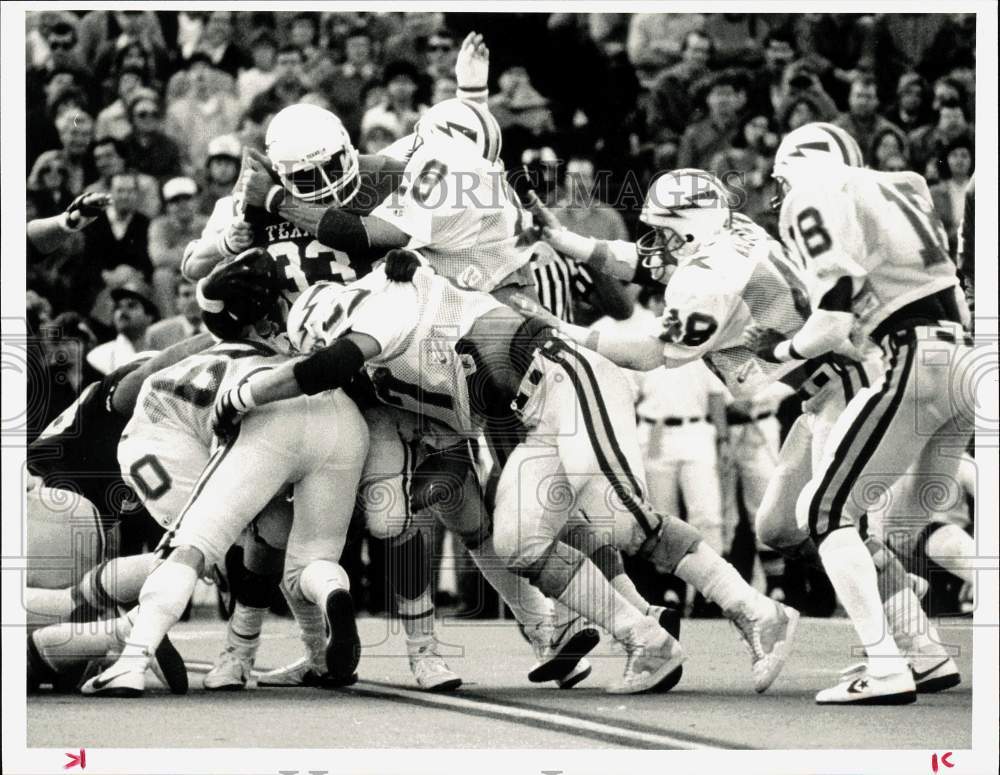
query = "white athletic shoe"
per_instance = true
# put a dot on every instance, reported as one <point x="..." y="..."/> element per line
<point x="652" y="655"/>
<point x="769" y="641"/>
<point x="858" y="687"/>
<point x="560" y="651"/>
<point x="116" y="681"/>
<point x="230" y="673"/>
<point x="934" y="670"/>
<point x="429" y="668"/>
<point x="301" y="672"/>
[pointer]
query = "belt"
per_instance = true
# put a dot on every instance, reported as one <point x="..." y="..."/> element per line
<point x="738" y="418"/>
<point x="672" y="422"/>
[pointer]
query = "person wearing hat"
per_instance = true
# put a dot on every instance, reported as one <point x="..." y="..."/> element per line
<point x="912" y="108"/>
<point x="225" y="155"/>
<point x="134" y="312"/>
<point x="169" y="234"/>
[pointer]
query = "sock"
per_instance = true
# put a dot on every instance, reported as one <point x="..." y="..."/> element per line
<point x="243" y="631"/>
<point x="852" y="574"/>
<point x="321" y="577"/>
<point x="892" y="576"/>
<point x="948" y="546"/>
<point x="721" y="583"/>
<point x="530" y="607"/>
<point x="162" y="601"/>
<point x="625" y="587"/>
<point x="312" y="630"/>
<point x="591" y="595"/>
<point x="417" y="616"/>
<point x="914" y="634"/>
<point x="67" y="644"/>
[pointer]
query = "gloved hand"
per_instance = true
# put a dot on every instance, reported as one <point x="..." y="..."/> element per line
<point x="763" y="341"/>
<point x="85" y="208"/>
<point x="401" y="265"/>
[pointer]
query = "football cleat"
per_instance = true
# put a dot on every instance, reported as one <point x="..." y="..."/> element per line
<point x="652" y="655"/>
<point x="560" y="651"/>
<point x="168" y="666"/>
<point x="579" y="673"/>
<point x="230" y="673"/>
<point x="343" y="646"/>
<point x="116" y="681"/>
<point x="301" y="673"/>
<point x="769" y="640"/>
<point x="669" y="617"/>
<point x="429" y="668"/>
<point x="859" y="687"/>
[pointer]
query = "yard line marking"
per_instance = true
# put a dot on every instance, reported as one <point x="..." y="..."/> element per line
<point x="556" y="720"/>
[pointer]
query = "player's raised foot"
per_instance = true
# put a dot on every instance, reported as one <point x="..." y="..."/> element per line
<point x="559" y="649"/>
<point x="768" y="638"/>
<point x="116" y="681"/>
<point x="652" y="654"/>
<point x="580" y="673"/>
<point x="168" y="666"/>
<point x="231" y="671"/>
<point x="859" y="687"/>
<point x="669" y="617"/>
<point x="429" y="668"/>
<point x="343" y="646"/>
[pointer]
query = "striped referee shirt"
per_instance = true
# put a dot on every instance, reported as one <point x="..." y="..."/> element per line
<point x="559" y="281"/>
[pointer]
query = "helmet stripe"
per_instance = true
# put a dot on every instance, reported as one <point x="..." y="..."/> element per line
<point x="487" y="138"/>
<point x="844" y="142"/>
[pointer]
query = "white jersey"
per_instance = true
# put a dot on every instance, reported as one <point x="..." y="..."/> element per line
<point x="418" y="326"/>
<point x="181" y="397"/>
<point x="459" y="211"/>
<point x="879" y="229"/>
<point x="742" y="278"/>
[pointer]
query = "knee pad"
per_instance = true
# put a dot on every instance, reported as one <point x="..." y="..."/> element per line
<point x="409" y="566"/>
<point x="552" y="572"/>
<point x="675" y="540"/>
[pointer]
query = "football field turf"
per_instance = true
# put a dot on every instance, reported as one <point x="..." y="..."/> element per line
<point x="714" y="706"/>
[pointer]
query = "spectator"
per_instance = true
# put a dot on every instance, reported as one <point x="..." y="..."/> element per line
<point x="185" y="323"/>
<point x="518" y="104"/>
<point x="345" y="86"/>
<point x="76" y="131"/>
<point x="304" y="35"/>
<point x="927" y="142"/>
<point x="109" y="159"/>
<point x="100" y="31"/>
<point x="767" y="88"/>
<point x="439" y="54"/>
<point x="147" y="148"/>
<point x="737" y="37"/>
<point x="169" y="234"/>
<point x="888" y="143"/>
<point x="444" y="88"/>
<point x="133" y="56"/>
<point x="956" y="167"/>
<point x="657" y="40"/>
<point x="288" y="86"/>
<point x="725" y="97"/>
<point x="862" y="121"/>
<point x="59" y="40"/>
<point x="398" y="112"/>
<point x="260" y="76"/>
<point x="579" y="208"/>
<point x="48" y="184"/>
<point x="137" y="44"/>
<point x="113" y="121"/>
<point x="120" y="235"/>
<point x="671" y="102"/>
<point x="225" y="155"/>
<point x="745" y="167"/>
<point x="949" y="90"/>
<point x="216" y="43"/>
<point x="134" y="313"/>
<point x="202" y="113"/>
<point x="61" y="94"/>
<point x="912" y="109"/>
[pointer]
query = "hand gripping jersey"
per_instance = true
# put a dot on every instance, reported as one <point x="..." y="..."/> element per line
<point x="879" y="229"/>
<point x="419" y="326"/>
<point x="181" y="396"/>
<point x="742" y="278"/>
<point x="301" y="258"/>
<point x="460" y="213"/>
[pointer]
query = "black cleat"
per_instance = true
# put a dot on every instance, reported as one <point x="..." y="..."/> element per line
<point x="343" y="646"/>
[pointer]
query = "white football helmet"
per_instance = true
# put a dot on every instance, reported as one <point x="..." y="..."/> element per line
<point x="811" y="150"/>
<point x="312" y="154"/>
<point x="320" y="315"/>
<point x="465" y="122"/>
<point x="687" y="208"/>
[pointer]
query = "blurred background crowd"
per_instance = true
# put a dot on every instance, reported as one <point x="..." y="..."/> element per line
<point x="154" y="108"/>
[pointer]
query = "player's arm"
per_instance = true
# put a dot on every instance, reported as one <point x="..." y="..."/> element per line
<point x="49" y="234"/>
<point x="472" y="69"/>
<point x="225" y="235"/>
<point x="614" y="258"/>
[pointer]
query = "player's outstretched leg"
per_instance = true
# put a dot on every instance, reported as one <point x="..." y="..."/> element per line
<point x="107" y="585"/>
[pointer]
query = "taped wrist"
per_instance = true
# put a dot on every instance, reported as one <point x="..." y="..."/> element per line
<point x="330" y="368"/>
<point x="343" y="231"/>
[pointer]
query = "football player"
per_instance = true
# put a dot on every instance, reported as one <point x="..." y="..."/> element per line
<point x="876" y="258"/>
<point x="471" y="362"/>
<point x="318" y="445"/>
<point x="724" y="276"/>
